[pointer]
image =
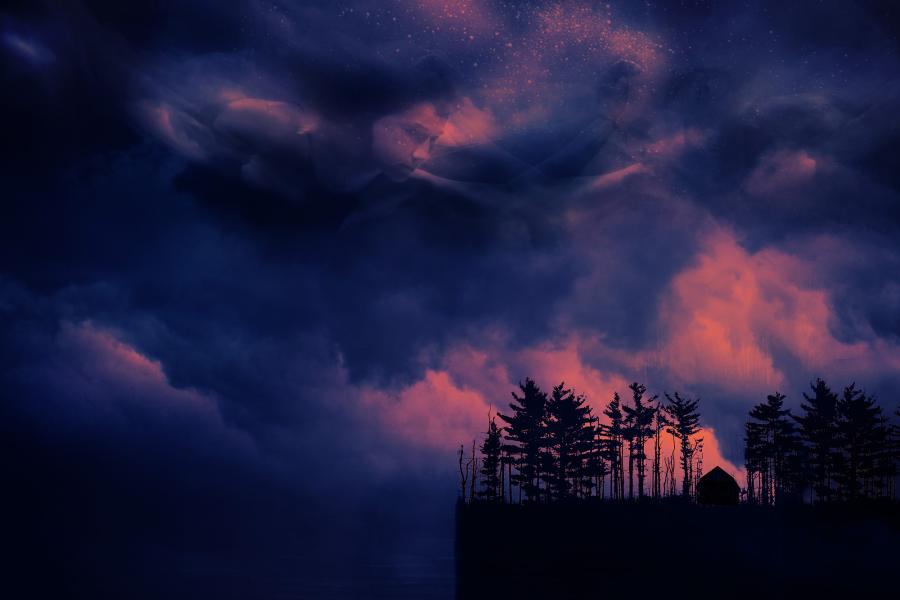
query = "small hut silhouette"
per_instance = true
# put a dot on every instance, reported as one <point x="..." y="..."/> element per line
<point x="718" y="488"/>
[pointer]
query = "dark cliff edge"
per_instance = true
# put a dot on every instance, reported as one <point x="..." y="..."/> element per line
<point x="675" y="550"/>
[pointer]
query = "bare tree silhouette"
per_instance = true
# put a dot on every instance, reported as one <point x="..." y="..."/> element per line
<point x="463" y="472"/>
<point x="685" y="419"/>
<point x="660" y="423"/>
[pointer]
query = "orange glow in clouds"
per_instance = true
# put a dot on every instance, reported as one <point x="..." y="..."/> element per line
<point x="119" y="382"/>
<point x="433" y="412"/>
<point x="723" y="322"/>
<point x="468" y="125"/>
<point x="728" y="313"/>
<point x="450" y="406"/>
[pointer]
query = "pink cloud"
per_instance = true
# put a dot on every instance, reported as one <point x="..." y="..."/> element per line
<point x="675" y="143"/>
<point x="594" y="30"/>
<point x="176" y="129"/>
<point x="434" y="412"/>
<point x="264" y="120"/>
<point x="483" y="369"/>
<point x="713" y="457"/>
<point x="99" y="379"/>
<point x="779" y="170"/>
<point x="614" y="178"/>
<point x="727" y="322"/>
<point x="122" y="368"/>
<point x="468" y="125"/>
<point x="726" y="312"/>
<point x="450" y="406"/>
<point x="658" y="151"/>
<point x="711" y="315"/>
<point x="534" y="70"/>
<point x="466" y="17"/>
<point x="552" y="363"/>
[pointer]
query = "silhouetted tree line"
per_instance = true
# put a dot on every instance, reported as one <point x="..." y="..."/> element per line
<point x="841" y="448"/>
<point x="553" y="447"/>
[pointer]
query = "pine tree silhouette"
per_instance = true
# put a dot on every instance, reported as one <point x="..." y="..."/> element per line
<point x="858" y="435"/>
<point x="772" y="452"/>
<point x="885" y="460"/>
<point x="818" y="426"/>
<point x="526" y="428"/>
<point x="865" y="463"/>
<point x="845" y="448"/>
<point x="893" y="455"/>
<point x="614" y="442"/>
<point x="569" y="436"/>
<point x="639" y="418"/>
<point x="491" y="487"/>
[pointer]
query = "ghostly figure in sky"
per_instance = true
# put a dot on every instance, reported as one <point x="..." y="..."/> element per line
<point x="229" y="116"/>
<point x="578" y="143"/>
<point x="348" y="157"/>
<point x="404" y="140"/>
<point x="277" y="145"/>
<point x="262" y="139"/>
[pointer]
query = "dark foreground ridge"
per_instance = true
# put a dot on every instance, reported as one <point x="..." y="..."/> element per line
<point x="675" y="549"/>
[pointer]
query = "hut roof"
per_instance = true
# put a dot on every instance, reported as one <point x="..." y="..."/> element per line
<point x="718" y="476"/>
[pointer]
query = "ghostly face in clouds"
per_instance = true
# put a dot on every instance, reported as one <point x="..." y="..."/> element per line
<point x="276" y="143"/>
<point x="402" y="141"/>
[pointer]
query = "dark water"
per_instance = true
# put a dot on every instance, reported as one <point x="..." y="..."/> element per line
<point x="541" y="553"/>
<point x="99" y="558"/>
<point x="425" y="571"/>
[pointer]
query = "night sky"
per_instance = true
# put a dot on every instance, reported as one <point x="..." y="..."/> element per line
<point x="264" y="266"/>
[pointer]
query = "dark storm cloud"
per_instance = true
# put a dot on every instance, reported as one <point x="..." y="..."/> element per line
<point x="439" y="258"/>
<point x="306" y="218"/>
<point x="63" y="93"/>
